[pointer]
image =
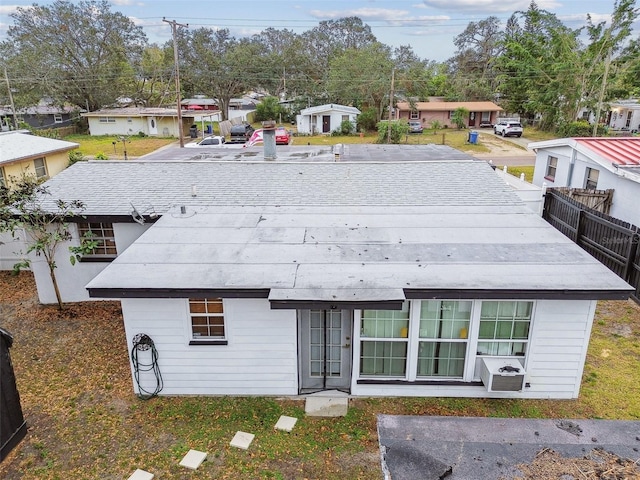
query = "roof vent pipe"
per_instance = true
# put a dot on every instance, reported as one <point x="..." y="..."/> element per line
<point x="269" y="139"/>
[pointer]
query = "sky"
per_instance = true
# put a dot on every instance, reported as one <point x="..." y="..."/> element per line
<point x="429" y="26"/>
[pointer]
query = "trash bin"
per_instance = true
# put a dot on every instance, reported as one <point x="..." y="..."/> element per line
<point x="473" y="137"/>
<point x="193" y="131"/>
<point x="209" y="129"/>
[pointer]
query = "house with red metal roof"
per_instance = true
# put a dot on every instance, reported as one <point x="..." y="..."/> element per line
<point x="600" y="163"/>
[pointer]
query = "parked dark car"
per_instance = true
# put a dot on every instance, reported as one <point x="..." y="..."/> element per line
<point x="241" y="133"/>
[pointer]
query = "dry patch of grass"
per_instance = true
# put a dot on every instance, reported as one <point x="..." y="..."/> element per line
<point x="85" y="422"/>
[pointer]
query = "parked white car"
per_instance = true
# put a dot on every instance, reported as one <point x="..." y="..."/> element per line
<point x="508" y="128"/>
<point x="215" y="141"/>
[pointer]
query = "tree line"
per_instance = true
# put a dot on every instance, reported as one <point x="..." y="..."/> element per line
<point x="85" y="54"/>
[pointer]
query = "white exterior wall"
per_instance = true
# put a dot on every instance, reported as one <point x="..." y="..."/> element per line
<point x="306" y="125"/>
<point x="10" y="248"/>
<point x="166" y="126"/>
<point x="626" y="193"/>
<point x="554" y="363"/>
<point x="259" y="359"/>
<point x="72" y="279"/>
<point x="619" y="115"/>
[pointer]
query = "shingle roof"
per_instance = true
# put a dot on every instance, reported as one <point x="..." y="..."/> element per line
<point x="16" y="146"/>
<point x="451" y="106"/>
<point x="109" y="188"/>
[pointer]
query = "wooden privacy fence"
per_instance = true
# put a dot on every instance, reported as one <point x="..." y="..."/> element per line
<point x="599" y="200"/>
<point x="610" y="240"/>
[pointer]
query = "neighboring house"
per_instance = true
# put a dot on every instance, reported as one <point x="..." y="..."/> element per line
<point x="482" y="114"/>
<point x="200" y="102"/>
<point x="325" y="118"/>
<point x="242" y="109"/>
<point x="403" y="278"/>
<point x="22" y="153"/>
<point x="152" y="121"/>
<point x="600" y="163"/>
<point x="42" y="116"/>
<point x="624" y="116"/>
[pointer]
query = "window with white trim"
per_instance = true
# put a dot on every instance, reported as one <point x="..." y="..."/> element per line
<point x="103" y="235"/>
<point x="504" y="328"/>
<point x="207" y="319"/>
<point x="443" y="334"/>
<point x="384" y="341"/>
<point x="552" y="166"/>
<point x="591" y="178"/>
<point x="107" y="120"/>
<point x="40" y="167"/>
<point x="414" y="115"/>
<point x="57" y="118"/>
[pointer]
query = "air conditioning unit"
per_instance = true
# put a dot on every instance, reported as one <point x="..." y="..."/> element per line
<point x="502" y="375"/>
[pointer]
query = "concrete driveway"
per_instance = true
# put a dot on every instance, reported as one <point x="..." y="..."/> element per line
<point x="465" y="448"/>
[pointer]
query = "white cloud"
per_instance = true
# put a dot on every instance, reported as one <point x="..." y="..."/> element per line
<point x="393" y="17"/>
<point x="9" y="9"/>
<point x="488" y="6"/>
<point x="364" y="13"/>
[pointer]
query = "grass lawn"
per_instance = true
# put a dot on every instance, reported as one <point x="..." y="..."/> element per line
<point x="519" y="169"/>
<point x="85" y="422"/>
<point x="136" y="146"/>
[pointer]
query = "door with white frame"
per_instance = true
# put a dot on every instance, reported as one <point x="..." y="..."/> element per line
<point x="325" y="353"/>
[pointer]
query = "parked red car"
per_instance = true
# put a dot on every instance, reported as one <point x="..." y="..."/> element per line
<point x="283" y="136"/>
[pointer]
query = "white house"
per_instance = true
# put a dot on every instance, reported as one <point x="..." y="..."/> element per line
<point x="594" y="163"/>
<point x="407" y="278"/>
<point x="152" y="121"/>
<point x="625" y="116"/>
<point x="325" y="118"/>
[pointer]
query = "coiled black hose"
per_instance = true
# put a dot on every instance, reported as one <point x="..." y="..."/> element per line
<point x="141" y="343"/>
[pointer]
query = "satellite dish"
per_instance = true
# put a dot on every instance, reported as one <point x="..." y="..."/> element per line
<point x="136" y="215"/>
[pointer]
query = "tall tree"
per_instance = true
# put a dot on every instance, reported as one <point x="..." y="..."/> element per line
<point x="73" y="52"/>
<point x="217" y="64"/>
<point x="473" y="65"/>
<point x="362" y="77"/>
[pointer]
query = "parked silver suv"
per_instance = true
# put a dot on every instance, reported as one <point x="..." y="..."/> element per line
<point x="508" y="128"/>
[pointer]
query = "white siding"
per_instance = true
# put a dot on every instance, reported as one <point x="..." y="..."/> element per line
<point x="559" y="338"/>
<point x="72" y="279"/>
<point x="259" y="359"/>
<point x="626" y="192"/>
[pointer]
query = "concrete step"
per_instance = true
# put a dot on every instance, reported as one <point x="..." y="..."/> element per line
<point x="330" y="403"/>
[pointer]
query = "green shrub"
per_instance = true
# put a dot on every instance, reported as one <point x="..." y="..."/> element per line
<point x="76" y="156"/>
<point x="398" y="131"/>
<point x="580" y="128"/>
<point x="101" y="156"/>
<point x="367" y="120"/>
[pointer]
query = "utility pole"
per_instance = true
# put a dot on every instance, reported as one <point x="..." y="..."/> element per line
<point x="174" y="25"/>
<point x="393" y="80"/>
<point x="603" y="87"/>
<point x="13" y="107"/>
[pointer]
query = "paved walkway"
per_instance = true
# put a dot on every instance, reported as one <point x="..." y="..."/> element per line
<point x="464" y="448"/>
